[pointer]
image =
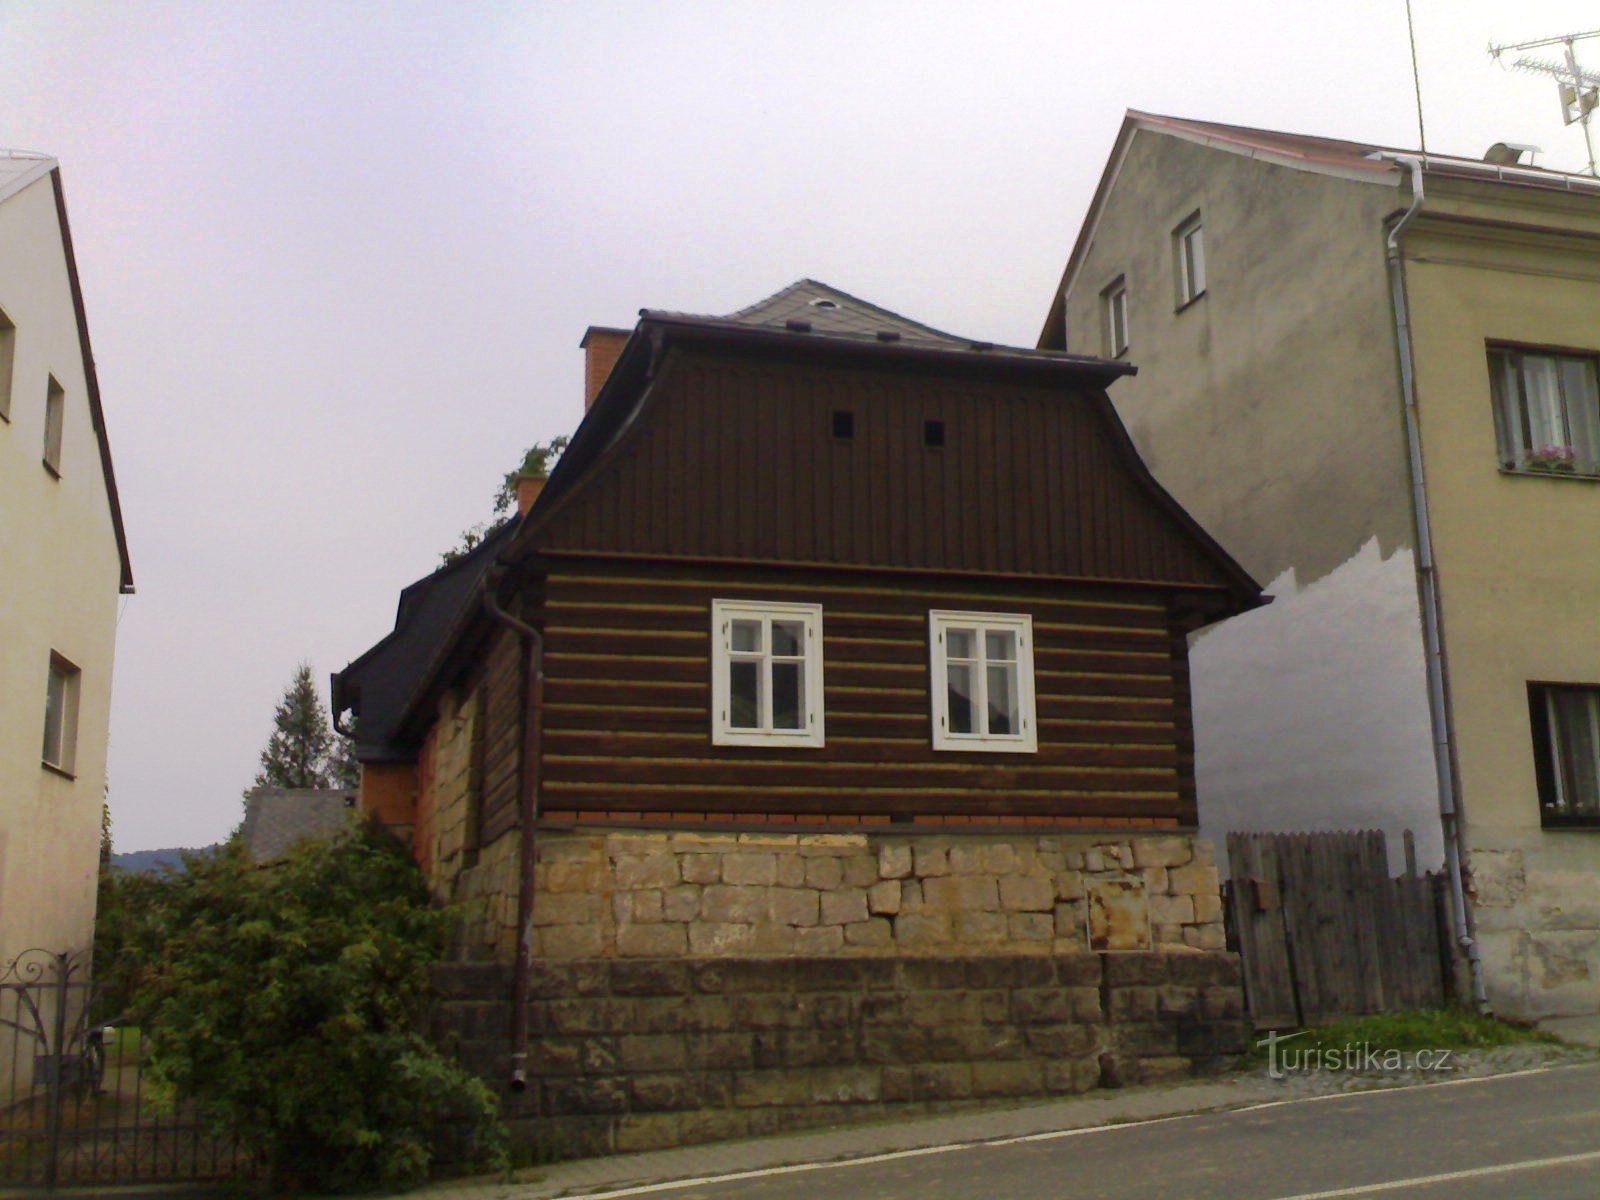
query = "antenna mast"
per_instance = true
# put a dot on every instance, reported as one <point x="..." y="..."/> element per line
<point x="1580" y="89"/>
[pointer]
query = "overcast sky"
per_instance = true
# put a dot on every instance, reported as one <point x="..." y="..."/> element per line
<point x="337" y="258"/>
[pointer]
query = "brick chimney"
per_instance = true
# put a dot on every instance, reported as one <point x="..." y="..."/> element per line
<point x="528" y="489"/>
<point x="601" y="347"/>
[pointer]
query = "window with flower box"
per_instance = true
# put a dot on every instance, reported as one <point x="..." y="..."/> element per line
<point x="1546" y="411"/>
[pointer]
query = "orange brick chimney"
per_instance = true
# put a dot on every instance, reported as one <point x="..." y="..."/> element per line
<point x="601" y="346"/>
<point x="528" y="489"/>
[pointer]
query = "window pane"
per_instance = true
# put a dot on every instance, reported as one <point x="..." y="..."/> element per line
<point x="744" y="694"/>
<point x="1579" y="754"/>
<point x="959" y="706"/>
<point x="1583" y="410"/>
<point x="958" y="643"/>
<point x="747" y="636"/>
<point x="1196" y="260"/>
<point x="55" y="707"/>
<point x="1542" y="387"/>
<point x="1002" y="680"/>
<point x="788" y="696"/>
<point x="999" y="646"/>
<point x="788" y="638"/>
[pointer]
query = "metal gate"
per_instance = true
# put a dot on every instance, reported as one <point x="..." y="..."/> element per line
<point x="1324" y="932"/>
<point x="76" y="1105"/>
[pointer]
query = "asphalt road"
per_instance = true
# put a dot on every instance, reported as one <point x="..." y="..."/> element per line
<point x="1535" y="1135"/>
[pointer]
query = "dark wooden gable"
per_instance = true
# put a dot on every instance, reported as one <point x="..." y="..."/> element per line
<point x="733" y="458"/>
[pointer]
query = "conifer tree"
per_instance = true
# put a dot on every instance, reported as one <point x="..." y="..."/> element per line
<point x="299" y="752"/>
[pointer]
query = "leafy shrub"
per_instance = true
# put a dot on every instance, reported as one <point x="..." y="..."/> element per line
<point x="285" y="1001"/>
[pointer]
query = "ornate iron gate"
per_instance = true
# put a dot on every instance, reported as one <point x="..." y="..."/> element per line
<point x="76" y="1105"/>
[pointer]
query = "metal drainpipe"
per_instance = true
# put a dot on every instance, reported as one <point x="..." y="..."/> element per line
<point x="527" y="812"/>
<point x="1444" y="768"/>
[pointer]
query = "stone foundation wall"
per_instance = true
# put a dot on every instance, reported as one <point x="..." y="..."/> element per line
<point x="633" y="1054"/>
<point x="671" y="894"/>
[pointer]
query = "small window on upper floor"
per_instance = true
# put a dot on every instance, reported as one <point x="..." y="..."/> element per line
<point x="1546" y="411"/>
<point x="8" y="358"/>
<point x="982" y="668"/>
<point x="1114" y="313"/>
<point x="55" y="410"/>
<point x="766" y="673"/>
<point x="1566" y="752"/>
<point x="1189" y="254"/>
<point x="61" y="715"/>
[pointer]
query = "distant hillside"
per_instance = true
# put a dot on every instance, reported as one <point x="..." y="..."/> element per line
<point x="145" y="861"/>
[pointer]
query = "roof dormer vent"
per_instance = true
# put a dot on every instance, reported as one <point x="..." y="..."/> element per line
<point x="1509" y="154"/>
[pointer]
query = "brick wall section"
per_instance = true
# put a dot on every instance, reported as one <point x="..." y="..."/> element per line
<point x="667" y="894"/>
<point x="632" y="1054"/>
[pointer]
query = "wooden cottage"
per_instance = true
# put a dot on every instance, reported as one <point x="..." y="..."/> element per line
<point x="812" y="572"/>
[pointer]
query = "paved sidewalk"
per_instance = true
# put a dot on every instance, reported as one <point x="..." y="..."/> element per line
<point x="600" y="1175"/>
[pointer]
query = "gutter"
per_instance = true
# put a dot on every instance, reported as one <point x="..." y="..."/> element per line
<point x="527" y="812"/>
<point x="1427" y="574"/>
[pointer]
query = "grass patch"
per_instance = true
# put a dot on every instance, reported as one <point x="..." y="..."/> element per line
<point x="1424" y="1029"/>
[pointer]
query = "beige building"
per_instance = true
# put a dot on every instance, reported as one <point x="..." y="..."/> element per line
<point x="1372" y="376"/>
<point x="63" y="564"/>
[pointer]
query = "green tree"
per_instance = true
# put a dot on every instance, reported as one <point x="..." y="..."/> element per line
<point x="286" y="1002"/>
<point x="538" y="459"/>
<point x="302" y="750"/>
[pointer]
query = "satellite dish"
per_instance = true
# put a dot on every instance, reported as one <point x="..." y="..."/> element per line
<point x="1509" y="154"/>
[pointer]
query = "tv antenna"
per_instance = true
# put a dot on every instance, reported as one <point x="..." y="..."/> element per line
<point x="1580" y="89"/>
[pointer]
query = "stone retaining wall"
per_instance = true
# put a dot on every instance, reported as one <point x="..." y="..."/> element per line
<point x="632" y="1054"/>
<point x="669" y="894"/>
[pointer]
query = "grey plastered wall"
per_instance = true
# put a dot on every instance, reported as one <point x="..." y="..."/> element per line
<point x="1270" y="408"/>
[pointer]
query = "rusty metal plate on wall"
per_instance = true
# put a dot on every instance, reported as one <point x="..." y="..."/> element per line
<point x="1119" y="915"/>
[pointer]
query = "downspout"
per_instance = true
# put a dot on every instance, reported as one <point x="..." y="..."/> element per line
<point x="1443" y="759"/>
<point x="527" y="813"/>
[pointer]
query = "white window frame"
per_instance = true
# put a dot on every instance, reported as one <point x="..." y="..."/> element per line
<point x="723" y="614"/>
<point x="1114" y="313"/>
<point x="59" y="746"/>
<point x="1189" y="253"/>
<point x="1026" y="740"/>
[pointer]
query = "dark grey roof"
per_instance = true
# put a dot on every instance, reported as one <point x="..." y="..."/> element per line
<point x="377" y="686"/>
<point x="828" y="311"/>
<point x="276" y="818"/>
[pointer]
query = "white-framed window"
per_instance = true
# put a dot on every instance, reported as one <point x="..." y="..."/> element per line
<point x="982" y="668"/>
<point x="1114" y="312"/>
<point x="61" y="715"/>
<point x="1566" y="747"/>
<point x="1189" y="253"/>
<point x="766" y="673"/>
<point x="1546" y="411"/>
<point x="55" y="411"/>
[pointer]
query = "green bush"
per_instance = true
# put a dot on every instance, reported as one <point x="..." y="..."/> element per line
<point x="285" y="1001"/>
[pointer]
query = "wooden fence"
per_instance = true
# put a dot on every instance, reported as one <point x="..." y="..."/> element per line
<point x="1325" y="933"/>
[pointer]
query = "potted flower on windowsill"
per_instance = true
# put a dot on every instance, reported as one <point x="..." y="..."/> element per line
<point x="1559" y="460"/>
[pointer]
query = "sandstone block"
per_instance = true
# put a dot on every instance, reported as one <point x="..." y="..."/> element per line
<point x="824" y="873"/>
<point x="1168" y="936"/>
<point x="580" y="876"/>
<point x="568" y="908"/>
<point x="884" y="897"/>
<point x="911" y="896"/>
<point x="721" y="937"/>
<point x="1205" y="937"/>
<point x="894" y="861"/>
<point x="874" y="932"/>
<point x="844" y="907"/>
<point x="860" y="871"/>
<point x="920" y="931"/>
<point x="645" y="1130"/>
<point x="759" y="869"/>
<point x="652" y="941"/>
<point x="773" y="939"/>
<point x="1193" y="880"/>
<point x="931" y="861"/>
<point x="1155" y="880"/>
<point x="961" y="893"/>
<point x="655" y="870"/>
<point x="1023" y="1077"/>
<point x="793" y="906"/>
<point x="1070" y="927"/>
<point x="1069" y="885"/>
<point x="999" y="859"/>
<point x="1162" y="851"/>
<point x="1207" y="908"/>
<point x="834" y="840"/>
<point x="769" y="839"/>
<point x="702" y="868"/>
<point x="1026" y="893"/>
<point x="724" y="902"/>
<point x="680" y="903"/>
<point x="647" y="905"/>
<point x="818" y="939"/>
<point x="963" y="859"/>
<point x="1094" y="860"/>
<point x="1037" y="927"/>
<point x="979" y="928"/>
<point x="791" y="870"/>
<point x="1171" y="910"/>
